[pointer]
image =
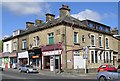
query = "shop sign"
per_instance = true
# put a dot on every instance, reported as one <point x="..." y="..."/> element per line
<point x="23" y="54"/>
<point x="35" y="56"/>
<point x="56" y="52"/>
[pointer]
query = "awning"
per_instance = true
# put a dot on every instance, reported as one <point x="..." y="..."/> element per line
<point x="52" y="47"/>
<point x="6" y="54"/>
<point x="12" y="55"/>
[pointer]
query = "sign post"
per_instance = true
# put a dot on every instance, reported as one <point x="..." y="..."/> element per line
<point x="85" y="56"/>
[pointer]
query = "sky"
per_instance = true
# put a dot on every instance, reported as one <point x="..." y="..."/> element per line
<point x="16" y="14"/>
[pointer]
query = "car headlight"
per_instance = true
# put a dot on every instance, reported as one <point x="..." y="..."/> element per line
<point x="30" y="69"/>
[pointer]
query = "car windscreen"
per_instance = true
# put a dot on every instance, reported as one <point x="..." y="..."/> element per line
<point x="29" y="66"/>
<point x="110" y="66"/>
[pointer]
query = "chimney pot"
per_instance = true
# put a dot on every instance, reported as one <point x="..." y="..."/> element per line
<point x="29" y="25"/>
<point x="38" y="22"/>
<point x="49" y="17"/>
<point x="64" y="11"/>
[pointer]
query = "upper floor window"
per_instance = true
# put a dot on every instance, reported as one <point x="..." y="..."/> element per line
<point x="7" y="47"/>
<point x="24" y="44"/>
<point x="101" y="28"/>
<point x="51" y="38"/>
<point x="75" y="37"/>
<point x="36" y="40"/>
<point x="14" y="45"/>
<point x="91" y="25"/>
<point x="107" y="43"/>
<point x="83" y="38"/>
<point x="100" y="42"/>
<point x="92" y="40"/>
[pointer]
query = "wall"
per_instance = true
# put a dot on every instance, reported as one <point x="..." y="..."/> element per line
<point x="9" y="48"/>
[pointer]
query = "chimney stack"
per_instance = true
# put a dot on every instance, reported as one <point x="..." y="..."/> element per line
<point x="49" y="17"/>
<point x="38" y="22"/>
<point x="29" y="25"/>
<point x="64" y="11"/>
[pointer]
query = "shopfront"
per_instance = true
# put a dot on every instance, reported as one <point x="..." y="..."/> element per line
<point x="23" y="58"/>
<point x="51" y="57"/>
<point x="13" y="58"/>
<point x="35" y="57"/>
<point x="6" y="60"/>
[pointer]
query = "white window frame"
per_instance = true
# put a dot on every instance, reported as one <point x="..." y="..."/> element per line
<point x="7" y="47"/>
<point x="77" y="37"/>
<point x="101" y="41"/>
<point x="91" y="41"/>
<point x="48" y="35"/>
<point x="82" y="39"/>
<point x="15" y="45"/>
<point x="94" y="56"/>
<point x="23" y="42"/>
<point x="105" y="42"/>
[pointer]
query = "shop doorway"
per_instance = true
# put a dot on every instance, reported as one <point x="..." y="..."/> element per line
<point x="47" y="62"/>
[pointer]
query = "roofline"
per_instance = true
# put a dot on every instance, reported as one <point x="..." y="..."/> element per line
<point x="96" y="22"/>
<point x="59" y="23"/>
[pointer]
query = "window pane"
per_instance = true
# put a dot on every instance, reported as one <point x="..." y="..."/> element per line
<point x="75" y="37"/>
<point x="106" y="42"/>
<point x="96" y="57"/>
<point x="92" y="56"/>
<point x="92" y="40"/>
<point x="51" y="38"/>
<point x="100" y="42"/>
<point x="83" y="39"/>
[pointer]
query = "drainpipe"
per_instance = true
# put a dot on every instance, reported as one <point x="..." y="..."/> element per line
<point x="65" y="49"/>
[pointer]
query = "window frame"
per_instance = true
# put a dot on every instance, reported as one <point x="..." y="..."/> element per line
<point x="92" y="44"/>
<point x="24" y="44"/>
<point x="51" y="35"/>
<point x="76" y="39"/>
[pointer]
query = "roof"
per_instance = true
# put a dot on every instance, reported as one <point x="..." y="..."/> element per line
<point x="96" y="22"/>
<point x="66" y="20"/>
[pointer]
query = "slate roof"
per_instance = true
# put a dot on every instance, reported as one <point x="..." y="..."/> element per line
<point x="66" y="20"/>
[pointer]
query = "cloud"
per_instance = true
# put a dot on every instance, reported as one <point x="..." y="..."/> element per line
<point x="26" y="8"/>
<point x="87" y="14"/>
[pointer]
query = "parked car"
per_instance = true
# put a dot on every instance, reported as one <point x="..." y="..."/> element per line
<point x="1" y="68"/>
<point x="107" y="68"/>
<point x="118" y="68"/>
<point x="27" y="69"/>
<point x="108" y="76"/>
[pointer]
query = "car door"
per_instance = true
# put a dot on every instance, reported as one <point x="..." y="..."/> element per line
<point x="115" y="75"/>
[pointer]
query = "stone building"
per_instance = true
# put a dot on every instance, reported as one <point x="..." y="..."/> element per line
<point x="66" y="43"/>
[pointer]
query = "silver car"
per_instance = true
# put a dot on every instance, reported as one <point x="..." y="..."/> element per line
<point x="108" y="76"/>
<point x="27" y="69"/>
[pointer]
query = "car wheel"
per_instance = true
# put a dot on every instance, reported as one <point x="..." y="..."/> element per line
<point x="27" y="71"/>
<point x="20" y="70"/>
<point x="102" y="78"/>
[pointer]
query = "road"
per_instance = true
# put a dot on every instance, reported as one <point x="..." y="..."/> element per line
<point x="14" y="74"/>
